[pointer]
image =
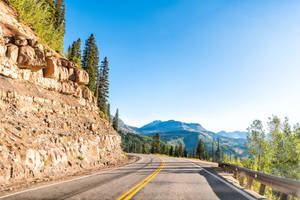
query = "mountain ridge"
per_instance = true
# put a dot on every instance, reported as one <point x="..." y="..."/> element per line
<point x="175" y="132"/>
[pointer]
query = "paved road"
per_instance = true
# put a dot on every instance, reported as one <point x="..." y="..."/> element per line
<point x="152" y="177"/>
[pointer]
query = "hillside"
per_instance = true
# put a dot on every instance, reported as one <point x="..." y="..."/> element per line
<point x="174" y="132"/>
<point x="50" y="122"/>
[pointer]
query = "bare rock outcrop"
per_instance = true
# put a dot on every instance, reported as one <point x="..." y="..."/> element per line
<point x="49" y="122"/>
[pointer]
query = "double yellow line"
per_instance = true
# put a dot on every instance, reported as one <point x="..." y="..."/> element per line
<point x="127" y="195"/>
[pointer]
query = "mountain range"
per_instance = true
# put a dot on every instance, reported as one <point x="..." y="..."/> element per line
<point x="173" y="132"/>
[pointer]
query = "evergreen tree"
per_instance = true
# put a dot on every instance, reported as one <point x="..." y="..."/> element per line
<point x="74" y="52"/>
<point x="90" y="61"/>
<point x="116" y="121"/>
<point x="60" y="10"/>
<point x="184" y="152"/>
<point x="155" y="146"/>
<point x="139" y="148"/>
<point x="171" y="151"/>
<point x="212" y="153"/>
<point x="218" y="152"/>
<point x="180" y="150"/>
<point x="176" y="151"/>
<point x="103" y="88"/>
<point x="144" y="148"/>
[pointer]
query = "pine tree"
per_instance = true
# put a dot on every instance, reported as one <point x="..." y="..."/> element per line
<point x="176" y="151"/>
<point x="90" y="61"/>
<point x="144" y="148"/>
<point x="212" y="153"/>
<point x="60" y="10"/>
<point x="171" y="151"/>
<point x="184" y="152"/>
<point x="180" y="150"/>
<point x="116" y="121"/>
<point x="139" y="148"/>
<point x="74" y="52"/>
<point x="218" y="152"/>
<point x="155" y="145"/>
<point x="103" y="90"/>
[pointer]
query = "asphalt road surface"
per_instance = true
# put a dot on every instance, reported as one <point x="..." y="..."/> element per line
<point x="152" y="177"/>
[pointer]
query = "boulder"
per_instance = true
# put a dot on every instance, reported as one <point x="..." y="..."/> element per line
<point x="20" y="41"/>
<point x="86" y="94"/>
<point x="68" y="88"/>
<point x="51" y="69"/>
<point x="31" y="58"/>
<point x="12" y="52"/>
<point x="54" y="71"/>
<point x="82" y="77"/>
<point x="48" y="53"/>
<point x="63" y="74"/>
<point x="32" y="42"/>
<point x="64" y="62"/>
<point x="8" y="39"/>
<point x="3" y="48"/>
<point x="72" y="75"/>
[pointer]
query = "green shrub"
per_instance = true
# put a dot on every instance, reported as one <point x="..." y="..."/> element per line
<point x="80" y="158"/>
<point x="40" y="16"/>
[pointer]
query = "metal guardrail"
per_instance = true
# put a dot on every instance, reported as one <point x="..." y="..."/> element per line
<point x="283" y="185"/>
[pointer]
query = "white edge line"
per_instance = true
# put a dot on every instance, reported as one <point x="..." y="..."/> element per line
<point x="75" y="179"/>
<point x="228" y="184"/>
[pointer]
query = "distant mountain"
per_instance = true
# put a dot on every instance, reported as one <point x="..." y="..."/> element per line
<point x="235" y="134"/>
<point x="125" y="127"/>
<point x="171" y="125"/>
<point x="176" y="132"/>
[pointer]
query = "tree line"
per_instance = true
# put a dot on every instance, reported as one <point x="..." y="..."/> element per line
<point x="156" y="146"/>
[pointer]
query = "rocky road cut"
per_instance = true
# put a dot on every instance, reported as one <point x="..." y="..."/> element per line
<point x="152" y="177"/>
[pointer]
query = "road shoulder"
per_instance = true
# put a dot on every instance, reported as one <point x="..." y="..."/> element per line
<point x="24" y="185"/>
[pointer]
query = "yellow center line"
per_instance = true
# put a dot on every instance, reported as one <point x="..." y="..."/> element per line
<point x="127" y="195"/>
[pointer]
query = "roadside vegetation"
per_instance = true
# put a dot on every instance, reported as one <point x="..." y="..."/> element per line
<point x="47" y="20"/>
<point x="45" y="17"/>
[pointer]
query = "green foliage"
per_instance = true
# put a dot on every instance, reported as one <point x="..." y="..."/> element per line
<point x="80" y="158"/>
<point x="108" y="112"/>
<point x="136" y="143"/>
<point x="102" y="115"/>
<point x="218" y="152"/>
<point x="200" y="151"/>
<point x="274" y="152"/>
<point x="155" y="146"/>
<point x="116" y="121"/>
<point x="90" y="61"/>
<point x="103" y="85"/>
<point x="74" y="52"/>
<point x="42" y="15"/>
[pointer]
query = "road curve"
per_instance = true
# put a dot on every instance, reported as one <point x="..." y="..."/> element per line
<point x="152" y="177"/>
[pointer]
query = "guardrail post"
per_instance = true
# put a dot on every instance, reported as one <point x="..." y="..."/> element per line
<point x="249" y="183"/>
<point x="283" y="196"/>
<point x="242" y="179"/>
<point x="262" y="189"/>
<point x="235" y="174"/>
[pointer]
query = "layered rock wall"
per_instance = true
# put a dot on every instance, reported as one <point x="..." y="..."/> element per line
<point x="49" y="122"/>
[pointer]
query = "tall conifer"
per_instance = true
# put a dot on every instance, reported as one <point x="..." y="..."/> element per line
<point x="103" y="87"/>
<point x="90" y="61"/>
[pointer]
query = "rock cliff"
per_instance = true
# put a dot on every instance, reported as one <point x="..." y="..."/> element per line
<point x="49" y="122"/>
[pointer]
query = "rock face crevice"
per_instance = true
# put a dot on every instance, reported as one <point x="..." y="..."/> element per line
<point x="49" y="121"/>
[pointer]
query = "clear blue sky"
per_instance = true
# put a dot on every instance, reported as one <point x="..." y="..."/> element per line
<point x="221" y="63"/>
